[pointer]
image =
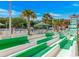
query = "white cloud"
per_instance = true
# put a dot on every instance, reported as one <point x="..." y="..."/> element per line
<point x="53" y="14"/>
<point x="4" y="13"/>
<point x="75" y="4"/>
<point x="15" y="12"/>
<point x="59" y="16"/>
<point x="38" y="13"/>
<point x="3" y="10"/>
<point x="38" y="18"/>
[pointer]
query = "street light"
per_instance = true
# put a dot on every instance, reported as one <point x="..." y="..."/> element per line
<point x="10" y="12"/>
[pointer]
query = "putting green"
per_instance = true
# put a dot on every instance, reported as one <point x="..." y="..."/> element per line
<point x="44" y="40"/>
<point x="32" y="51"/>
<point x="7" y="43"/>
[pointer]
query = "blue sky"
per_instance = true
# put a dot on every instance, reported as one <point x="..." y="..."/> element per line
<point x="60" y="9"/>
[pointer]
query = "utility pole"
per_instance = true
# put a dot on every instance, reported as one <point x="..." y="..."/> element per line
<point x="10" y="12"/>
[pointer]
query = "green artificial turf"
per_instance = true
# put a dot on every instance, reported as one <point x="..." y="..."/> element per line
<point x="32" y="51"/>
<point x="7" y="43"/>
<point x="44" y="40"/>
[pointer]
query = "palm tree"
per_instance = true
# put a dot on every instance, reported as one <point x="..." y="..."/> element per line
<point x="28" y="15"/>
<point x="55" y="23"/>
<point x="46" y="18"/>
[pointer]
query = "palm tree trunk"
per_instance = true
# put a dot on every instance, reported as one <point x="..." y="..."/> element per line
<point x="54" y="27"/>
<point x="28" y="26"/>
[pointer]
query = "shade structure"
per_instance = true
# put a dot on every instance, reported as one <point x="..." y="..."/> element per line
<point x="41" y="25"/>
<point x="2" y="24"/>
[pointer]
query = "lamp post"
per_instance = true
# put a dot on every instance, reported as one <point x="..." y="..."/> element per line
<point x="10" y="12"/>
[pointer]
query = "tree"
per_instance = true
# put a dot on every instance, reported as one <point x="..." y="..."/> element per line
<point x="55" y="23"/>
<point x="18" y="22"/>
<point x="58" y="23"/>
<point x="3" y="21"/>
<point x="28" y="15"/>
<point x="46" y="18"/>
